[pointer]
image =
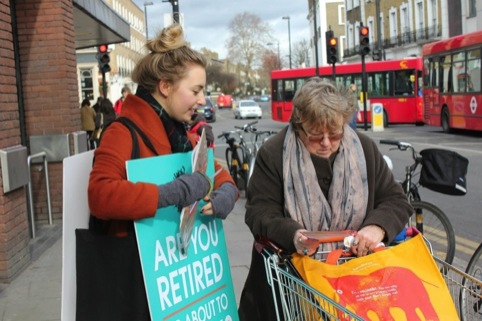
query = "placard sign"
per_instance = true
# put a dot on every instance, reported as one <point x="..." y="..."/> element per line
<point x="197" y="285"/>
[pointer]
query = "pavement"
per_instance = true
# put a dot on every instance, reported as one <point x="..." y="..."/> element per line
<point x="35" y="294"/>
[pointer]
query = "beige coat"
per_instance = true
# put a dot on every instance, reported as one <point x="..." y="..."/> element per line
<point x="87" y="115"/>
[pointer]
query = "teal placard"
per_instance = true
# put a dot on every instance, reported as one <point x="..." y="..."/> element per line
<point x="192" y="287"/>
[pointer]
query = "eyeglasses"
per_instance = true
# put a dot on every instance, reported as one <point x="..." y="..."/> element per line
<point x="332" y="137"/>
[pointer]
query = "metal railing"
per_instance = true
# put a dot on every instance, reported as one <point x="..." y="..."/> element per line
<point x="43" y="155"/>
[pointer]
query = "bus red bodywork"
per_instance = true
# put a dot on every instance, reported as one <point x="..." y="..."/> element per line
<point x="452" y="82"/>
<point x="400" y="106"/>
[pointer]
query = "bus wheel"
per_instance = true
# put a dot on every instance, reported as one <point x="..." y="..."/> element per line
<point x="385" y="119"/>
<point x="445" y="120"/>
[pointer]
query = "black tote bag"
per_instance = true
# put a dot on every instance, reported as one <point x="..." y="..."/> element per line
<point x="110" y="283"/>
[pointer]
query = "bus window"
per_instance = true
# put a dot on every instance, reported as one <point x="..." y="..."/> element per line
<point x="434" y="72"/>
<point x="459" y="77"/>
<point x="289" y="90"/>
<point x="426" y="70"/>
<point x="378" y="84"/>
<point x="446" y="74"/>
<point x="473" y="70"/>
<point x="299" y="83"/>
<point x="277" y="86"/>
<point x="419" y="83"/>
<point x="403" y="85"/>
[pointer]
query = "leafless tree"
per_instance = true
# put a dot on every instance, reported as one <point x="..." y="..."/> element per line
<point x="247" y="42"/>
<point x="301" y="53"/>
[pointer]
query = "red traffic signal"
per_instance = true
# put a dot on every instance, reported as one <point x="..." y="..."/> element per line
<point x="103" y="58"/>
<point x="364" y="40"/>
<point x="102" y="48"/>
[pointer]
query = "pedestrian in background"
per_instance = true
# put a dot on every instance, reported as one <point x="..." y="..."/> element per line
<point x="118" y="104"/>
<point x="318" y="174"/>
<point x="353" y="118"/>
<point x="87" y="116"/>
<point x="171" y="79"/>
<point x="104" y="117"/>
<point x="196" y="126"/>
<point x="97" y="104"/>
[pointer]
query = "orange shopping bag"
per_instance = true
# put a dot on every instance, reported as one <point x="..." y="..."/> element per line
<point x="399" y="283"/>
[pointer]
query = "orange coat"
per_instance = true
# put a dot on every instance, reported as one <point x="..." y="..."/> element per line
<point x="111" y="195"/>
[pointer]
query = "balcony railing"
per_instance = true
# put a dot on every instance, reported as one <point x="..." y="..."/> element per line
<point x="419" y="36"/>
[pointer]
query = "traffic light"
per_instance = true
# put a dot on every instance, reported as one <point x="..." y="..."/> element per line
<point x="331" y="47"/>
<point x="103" y="58"/>
<point x="364" y="40"/>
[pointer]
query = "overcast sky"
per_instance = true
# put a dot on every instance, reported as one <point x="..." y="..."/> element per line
<point x="206" y="21"/>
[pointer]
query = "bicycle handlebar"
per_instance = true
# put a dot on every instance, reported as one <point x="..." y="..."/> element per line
<point x="400" y="145"/>
<point x="247" y="127"/>
<point x="403" y="146"/>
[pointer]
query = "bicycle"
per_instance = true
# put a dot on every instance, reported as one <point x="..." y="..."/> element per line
<point x="429" y="219"/>
<point x="257" y="139"/>
<point x="471" y="293"/>
<point x="238" y="155"/>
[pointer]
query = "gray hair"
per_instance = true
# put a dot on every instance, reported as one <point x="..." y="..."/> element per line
<point x="321" y="103"/>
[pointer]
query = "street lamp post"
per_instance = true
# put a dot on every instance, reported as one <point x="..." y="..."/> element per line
<point x="145" y="17"/>
<point x="289" y="35"/>
<point x="279" y="59"/>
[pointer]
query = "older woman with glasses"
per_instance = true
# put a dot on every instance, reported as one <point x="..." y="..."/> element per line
<point x="318" y="174"/>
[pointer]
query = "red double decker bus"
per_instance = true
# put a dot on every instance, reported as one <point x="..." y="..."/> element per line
<point x="394" y="83"/>
<point x="452" y="82"/>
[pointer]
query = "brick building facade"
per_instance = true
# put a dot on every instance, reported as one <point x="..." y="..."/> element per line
<point x="38" y="97"/>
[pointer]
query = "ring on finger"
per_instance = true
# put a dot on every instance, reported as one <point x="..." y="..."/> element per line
<point x="305" y="251"/>
<point x="355" y="243"/>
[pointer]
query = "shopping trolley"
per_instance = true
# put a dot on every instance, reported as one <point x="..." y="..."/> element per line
<point x="296" y="300"/>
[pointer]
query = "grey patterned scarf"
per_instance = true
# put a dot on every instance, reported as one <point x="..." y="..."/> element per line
<point x="347" y="200"/>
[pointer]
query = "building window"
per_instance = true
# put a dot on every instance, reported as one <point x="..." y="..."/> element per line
<point x="356" y="3"/>
<point x="393" y="26"/>
<point x="341" y="15"/>
<point x="472" y="8"/>
<point x="419" y="20"/>
<point x="86" y="84"/>
<point x="432" y="19"/>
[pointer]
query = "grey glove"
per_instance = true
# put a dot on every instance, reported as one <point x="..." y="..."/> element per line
<point x="184" y="190"/>
<point x="223" y="199"/>
<point x="209" y="133"/>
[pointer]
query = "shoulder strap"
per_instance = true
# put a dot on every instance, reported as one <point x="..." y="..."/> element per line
<point x="133" y="128"/>
<point x="97" y="225"/>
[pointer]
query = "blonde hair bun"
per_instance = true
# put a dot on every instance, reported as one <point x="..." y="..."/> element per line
<point x="168" y="39"/>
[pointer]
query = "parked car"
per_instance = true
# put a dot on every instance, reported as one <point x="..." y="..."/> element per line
<point x="264" y="98"/>
<point x="225" y="101"/>
<point x="246" y="109"/>
<point x="208" y="111"/>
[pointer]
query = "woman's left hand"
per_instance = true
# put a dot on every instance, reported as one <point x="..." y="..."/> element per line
<point x="221" y="201"/>
<point x="367" y="239"/>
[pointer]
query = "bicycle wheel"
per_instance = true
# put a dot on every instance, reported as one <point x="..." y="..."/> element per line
<point x="470" y="293"/>
<point x="244" y="172"/>
<point x="436" y="228"/>
<point x="232" y="161"/>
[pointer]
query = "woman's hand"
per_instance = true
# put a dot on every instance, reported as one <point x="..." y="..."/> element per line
<point x="304" y="245"/>
<point x="367" y="239"/>
<point x="221" y="201"/>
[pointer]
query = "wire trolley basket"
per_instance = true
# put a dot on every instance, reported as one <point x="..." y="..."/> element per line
<point x="466" y="291"/>
<point x="295" y="300"/>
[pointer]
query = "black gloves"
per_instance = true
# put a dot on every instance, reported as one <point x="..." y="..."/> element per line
<point x="223" y="199"/>
<point x="184" y="190"/>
